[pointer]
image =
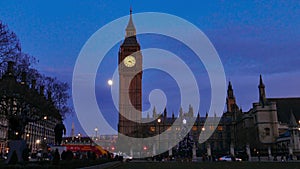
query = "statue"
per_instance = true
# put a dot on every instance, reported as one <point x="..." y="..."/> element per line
<point x="59" y="131"/>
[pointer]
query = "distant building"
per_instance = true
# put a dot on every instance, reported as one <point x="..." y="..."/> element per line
<point x="3" y="132"/>
<point x="218" y="142"/>
<point x="130" y="107"/>
<point x="270" y="127"/>
<point x="35" y="115"/>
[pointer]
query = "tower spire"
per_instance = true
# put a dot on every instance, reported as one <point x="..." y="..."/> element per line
<point x="180" y="112"/>
<point x="154" y="113"/>
<point x="261" y="83"/>
<point x="229" y="86"/>
<point x="130" y="29"/>
<point x="73" y="130"/>
<point x="130" y="9"/>
<point x="262" y="92"/>
<point x="230" y="100"/>
<point x="293" y="122"/>
<point x="230" y="91"/>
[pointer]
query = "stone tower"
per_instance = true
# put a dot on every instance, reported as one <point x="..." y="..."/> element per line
<point x="130" y="82"/>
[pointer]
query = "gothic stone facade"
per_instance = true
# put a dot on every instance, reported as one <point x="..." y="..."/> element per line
<point x="270" y="127"/>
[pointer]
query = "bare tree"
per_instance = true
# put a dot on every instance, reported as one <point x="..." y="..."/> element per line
<point x="59" y="94"/>
<point x="10" y="50"/>
<point x="9" y="44"/>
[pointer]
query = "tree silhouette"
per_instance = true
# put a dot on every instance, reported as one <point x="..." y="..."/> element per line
<point x="10" y="51"/>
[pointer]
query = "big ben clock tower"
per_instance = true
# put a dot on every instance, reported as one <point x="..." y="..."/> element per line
<point x="130" y="79"/>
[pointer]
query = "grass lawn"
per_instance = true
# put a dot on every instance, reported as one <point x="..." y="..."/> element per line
<point x="215" y="165"/>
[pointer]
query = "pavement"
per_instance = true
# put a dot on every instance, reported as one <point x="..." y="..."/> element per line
<point x="114" y="164"/>
<point x="108" y="165"/>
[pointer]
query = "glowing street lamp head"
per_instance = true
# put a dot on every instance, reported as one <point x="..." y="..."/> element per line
<point x="184" y="121"/>
<point x="159" y="120"/>
<point x="110" y="82"/>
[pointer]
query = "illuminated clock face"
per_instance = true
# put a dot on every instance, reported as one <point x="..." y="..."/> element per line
<point x="129" y="61"/>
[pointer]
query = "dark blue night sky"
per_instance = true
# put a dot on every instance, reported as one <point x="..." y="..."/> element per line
<point x="251" y="38"/>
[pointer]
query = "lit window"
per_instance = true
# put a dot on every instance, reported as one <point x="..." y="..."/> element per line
<point x="152" y="129"/>
<point x="194" y="128"/>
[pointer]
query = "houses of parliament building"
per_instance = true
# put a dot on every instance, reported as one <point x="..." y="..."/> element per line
<point x="269" y="128"/>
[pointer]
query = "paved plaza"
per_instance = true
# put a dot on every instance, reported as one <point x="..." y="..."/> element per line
<point x="208" y="165"/>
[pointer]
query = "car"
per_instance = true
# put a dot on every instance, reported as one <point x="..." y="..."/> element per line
<point x="126" y="157"/>
<point x="229" y="158"/>
<point x="123" y="156"/>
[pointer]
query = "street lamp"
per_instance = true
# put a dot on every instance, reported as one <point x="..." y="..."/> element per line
<point x="37" y="142"/>
<point x="184" y="121"/>
<point x="96" y="132"/>
<point x="159" y="121"/>
<point x="186" y="140"/>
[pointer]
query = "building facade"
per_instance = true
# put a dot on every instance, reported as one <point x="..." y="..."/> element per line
<point x="269" y="128"/>
<point x="131" y="122"/>
<point x="25" y="112"/>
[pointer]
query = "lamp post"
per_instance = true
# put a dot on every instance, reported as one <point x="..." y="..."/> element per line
<point x="185" y="139"/>
<point x="186" y="143"/>
<point x="96" y="132"/>
<point x="44" y="129"/>
<point x="159" y="121"/>
<point x="37" y="142"/>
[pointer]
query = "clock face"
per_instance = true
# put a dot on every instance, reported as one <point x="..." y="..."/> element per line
<point x="129" y="61"/>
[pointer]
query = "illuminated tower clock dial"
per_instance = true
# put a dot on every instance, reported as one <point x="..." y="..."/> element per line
<point x="129" y="61"/>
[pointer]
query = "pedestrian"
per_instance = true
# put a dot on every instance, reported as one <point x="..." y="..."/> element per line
<point x="56" y="157"/>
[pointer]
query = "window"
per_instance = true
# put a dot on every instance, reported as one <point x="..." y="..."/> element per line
<point x="152" y="129"/>
<point x="267" y="131"/>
